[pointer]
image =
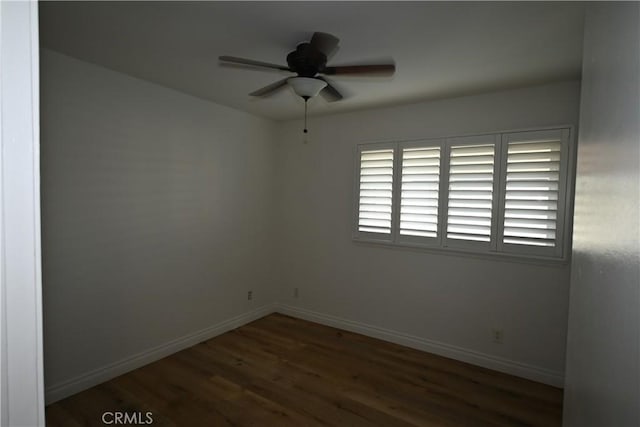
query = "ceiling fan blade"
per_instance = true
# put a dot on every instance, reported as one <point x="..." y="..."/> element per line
<point x="325" y="43"/>
<point x="330" y="93"/>
<point x="236" y="60"/>
<point x="380" y="69"/>
<point x="270" y="89"/>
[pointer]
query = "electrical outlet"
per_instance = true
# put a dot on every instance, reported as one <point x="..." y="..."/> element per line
<point x="498" y="336"/>
<point x="295" y="293"/>
<point x="250" y="295"/>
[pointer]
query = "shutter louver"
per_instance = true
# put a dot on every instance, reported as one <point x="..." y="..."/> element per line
<point x="470" y="192"/>
<point x="376" y="190"/>
<point x="531" y="194"/>
<point x="419" y="194"/>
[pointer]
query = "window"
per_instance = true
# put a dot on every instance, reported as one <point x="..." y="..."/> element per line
<point x="534" y="187"/>
<point x="499" y="193"/>
<point x="420" y="189"/>
<point x="375" y="191"/>
<point x="471" y="189"/>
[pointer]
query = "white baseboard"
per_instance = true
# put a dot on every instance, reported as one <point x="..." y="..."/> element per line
<point x="105" y="373"/>
<point x="484" y="360"/>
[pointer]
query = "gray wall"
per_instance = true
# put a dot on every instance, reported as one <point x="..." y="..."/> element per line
<point x="603" y="357"/>
<point x="156" y="215"/>
<point x="453" y="301"/>
<point x="160" y="211"/>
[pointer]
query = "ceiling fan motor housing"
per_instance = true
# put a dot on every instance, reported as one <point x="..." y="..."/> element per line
<point x="306" y="60"/>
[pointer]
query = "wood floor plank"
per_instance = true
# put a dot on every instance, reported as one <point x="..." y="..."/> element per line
<point x="282" y="371"/>
<point x="58" y="416"/>
<point x="437" y="398"/>
<point x="307" y="386"/>
<point x="424" y="361"/>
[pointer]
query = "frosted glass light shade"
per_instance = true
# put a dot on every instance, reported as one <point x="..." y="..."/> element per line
<point x="306" y="86"/>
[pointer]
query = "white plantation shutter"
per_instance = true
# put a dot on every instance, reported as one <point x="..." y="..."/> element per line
<point x="470" y="192"/>
<point x="376" y="191"/>
<point x="533" y="196"/>
<point x="492" y="193"/>
<point x="420" y="181"/>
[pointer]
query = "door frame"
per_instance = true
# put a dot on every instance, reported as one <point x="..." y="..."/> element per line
<point x="21" y="345"/>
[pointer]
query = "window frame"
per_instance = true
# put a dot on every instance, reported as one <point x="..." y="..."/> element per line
<point x="496" y="249"/>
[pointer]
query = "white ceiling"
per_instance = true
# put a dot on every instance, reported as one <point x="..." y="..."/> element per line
<point x="441" y="49"/>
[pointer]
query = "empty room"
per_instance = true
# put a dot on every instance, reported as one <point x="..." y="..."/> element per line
<point x="320" y="213"/>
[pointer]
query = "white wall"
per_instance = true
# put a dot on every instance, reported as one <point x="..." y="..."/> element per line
<point x="603" y="356"/>
<point x="159" y="212"/>
<point x="21" y="370"/>
<point x="447" y="304"/>
<point x="156" y="216"/>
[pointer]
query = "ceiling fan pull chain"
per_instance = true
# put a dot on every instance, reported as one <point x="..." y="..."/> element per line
<point x="306" y="98"/>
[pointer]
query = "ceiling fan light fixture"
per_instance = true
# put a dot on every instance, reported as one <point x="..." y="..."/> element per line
<point x="306" y="87"/>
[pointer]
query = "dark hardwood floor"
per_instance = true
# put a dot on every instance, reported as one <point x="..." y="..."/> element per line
<point x="281" y="371"/>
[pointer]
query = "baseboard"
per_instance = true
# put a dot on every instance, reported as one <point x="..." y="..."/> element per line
<point x="484" y="360"/>
<point x="105" y="373"/>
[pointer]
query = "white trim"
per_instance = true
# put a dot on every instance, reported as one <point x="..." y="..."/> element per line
<point x="469" y="253"/>
<point x="21" y="376"/>
<point x="4" y="400"/>
<point x="494" y="249"/>
<point x="443" y="194"/>
<point x="37" y="218"/>
<point x="500" y="173"/>
<point x="112" y="370"/>
<point x="504" y="155"/>
<point x="395" y="194"/>
<point x="462" y="135"/>
<point x="523" y="370"/>
<point x="570" y="192"/>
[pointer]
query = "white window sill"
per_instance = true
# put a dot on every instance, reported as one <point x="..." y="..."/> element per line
<point x="467" y="253"/>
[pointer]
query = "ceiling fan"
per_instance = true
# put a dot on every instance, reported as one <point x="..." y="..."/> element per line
<point x="309" y="62"/>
